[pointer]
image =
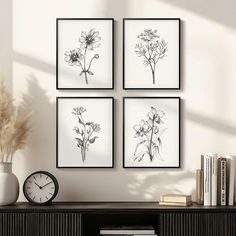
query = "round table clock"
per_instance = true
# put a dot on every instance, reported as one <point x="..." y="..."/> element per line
<point x="40" y="188"/>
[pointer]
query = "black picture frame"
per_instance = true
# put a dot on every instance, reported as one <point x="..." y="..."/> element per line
<point x="112" y="130"/>
<point x="179" y="54"/>
<point x="179" y="132"/>
<point x="58" y="87"/>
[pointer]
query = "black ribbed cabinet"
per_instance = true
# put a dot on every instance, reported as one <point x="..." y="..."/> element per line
<point x="85" y="219"/>
<point x="39" y="224"/>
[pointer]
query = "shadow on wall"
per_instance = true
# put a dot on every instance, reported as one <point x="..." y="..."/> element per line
<point x="211" y="122"/>
<point x="220" y="11"/>
<point x="116" y="8"/>
<point x="41" y="142"/>
<point x="150" y="185"/>
<point x="34" y="62"/>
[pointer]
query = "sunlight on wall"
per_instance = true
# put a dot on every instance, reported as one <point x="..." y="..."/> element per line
<point x="208" y="84"/>
<point x="151" y="185"/>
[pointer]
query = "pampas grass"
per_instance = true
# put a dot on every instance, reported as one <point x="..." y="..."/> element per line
<point x="14" y="129"/>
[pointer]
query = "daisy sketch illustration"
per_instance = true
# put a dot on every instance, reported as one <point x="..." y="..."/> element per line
<point x="84" y="56"/>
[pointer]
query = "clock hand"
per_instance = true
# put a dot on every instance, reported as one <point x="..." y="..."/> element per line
<point x="38" y="185"/>
<point x="46" y="184"/>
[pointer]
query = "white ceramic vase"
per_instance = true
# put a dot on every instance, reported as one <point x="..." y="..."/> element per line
<point x="9" y="185"/>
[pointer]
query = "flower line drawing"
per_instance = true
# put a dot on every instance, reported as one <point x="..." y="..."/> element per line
<point x="85" y="131"/>
<point x="79" y="56"/>
<point x="152" y="49"/>
<point x="149" y="134"/>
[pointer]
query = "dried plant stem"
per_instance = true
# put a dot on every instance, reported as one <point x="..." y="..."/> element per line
<point x="11" y="157"/>
<point x="2" y="156"/>
<point x="13" y="129"/>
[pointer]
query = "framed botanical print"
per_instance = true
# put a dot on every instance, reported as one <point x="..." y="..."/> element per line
<point x="151" y="138"/>
<point x="85" y="132"/>
<point x="85" y="48"/>
<point x="151" y="53"/>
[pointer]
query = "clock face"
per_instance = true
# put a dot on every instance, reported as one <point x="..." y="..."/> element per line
<point x="40" y="187"/>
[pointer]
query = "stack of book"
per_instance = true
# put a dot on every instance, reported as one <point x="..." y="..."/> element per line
<point x="128" y="230"/>
<point x="215" y="181"/>
<point x="175" y="200"/>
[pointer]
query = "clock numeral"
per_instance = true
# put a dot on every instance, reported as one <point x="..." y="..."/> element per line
<point x="33" y="197"/>
<point x="46" y="177"/>
<point x="29" y="193"/>
<point x="52" y="187"/>
<point x="40" y="199"/>
<point x="28" y="187"/>
<point x="34" y="178"/>
<point x="40" y="175"/>
<point x="46" y="197"/>
<point x="51" y="193"/>
<point x="30" y="181"/>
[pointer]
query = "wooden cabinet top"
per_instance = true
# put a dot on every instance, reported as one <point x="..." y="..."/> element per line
<point x="111" y="207"/>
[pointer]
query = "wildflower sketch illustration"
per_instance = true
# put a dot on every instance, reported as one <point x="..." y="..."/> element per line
<point x="89" y="41"/>
<point x="149" y="133"/>
<point x="85" y="131"/>
<point x="152" y="49"/>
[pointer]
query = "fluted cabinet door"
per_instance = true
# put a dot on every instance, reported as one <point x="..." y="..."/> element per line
<point x="12" y="224"/>
<point x="198" y="224"/>
<point x="53" y="224"/>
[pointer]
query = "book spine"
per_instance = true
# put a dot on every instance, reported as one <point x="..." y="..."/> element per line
<point x="199" y="187"/>
<point x="214" y="180"/>
<point x="210" y="178"/>
<point x="219" y="181"/>
<point x="223" y="183"/>
<point x="174" y="204"/>
<point x="230" y="179"/>
<point x="234" y="180"/>
<point x="161" y="198"/>
<point x="207" y="195"/>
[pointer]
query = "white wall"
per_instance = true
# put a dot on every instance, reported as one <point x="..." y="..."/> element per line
<point x="208" y="91"/>
<point x="6" y="41"/>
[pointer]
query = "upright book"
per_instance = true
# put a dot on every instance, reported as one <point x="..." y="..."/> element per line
<point x="207" y="179"/>
<point x="214" y="158"/>
<point x="221" y="181"/>
<point x="199" y="186"/>
<point x="230" y="179"/>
